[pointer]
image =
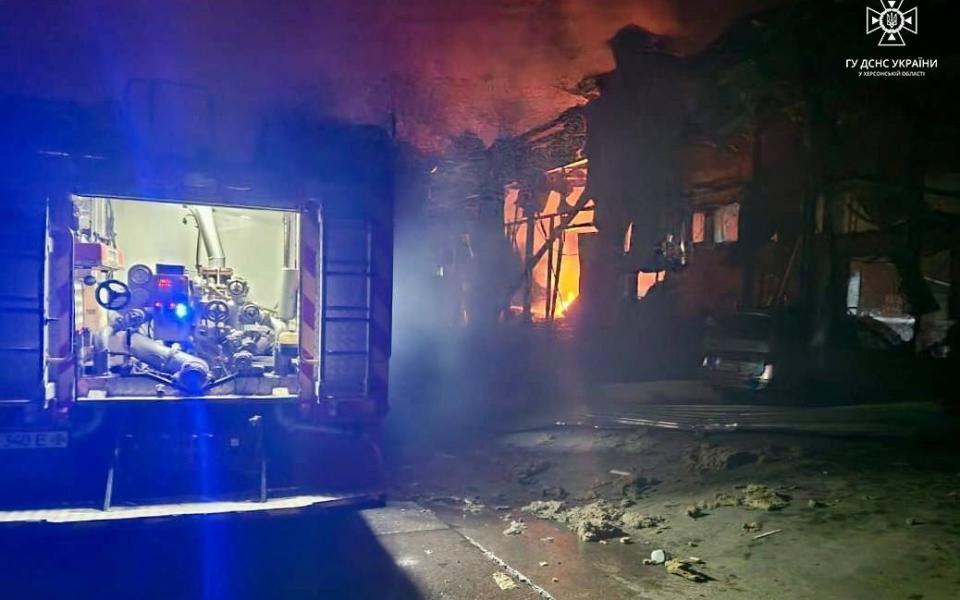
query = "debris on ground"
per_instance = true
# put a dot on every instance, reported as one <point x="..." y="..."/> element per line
<point x="657" y="557"/>
<point x="551" y="510"/>
<point x="912" y="521"/>
<point x="527" y="472"/>
<point x="684" y="568"/>
<point x="597" y="521"/>
<point x="626" y="540"/>
<point x="637" y="520"/>
<point x="754" y="497"/>
<point x="722" y="499"/>
<point x="543" y="563"/>
<point x="547" y="540"/>
<point x="752" y="526"/>
<point x="766" y="533"/>
<point x="620" y="473"/>
<point x="708" y="457"/>
<point x="472" y="506"/>
<point x="812" y="503"/>
<point x="515" y="528"/>
<point x="761" y="497"/>
<point x="504" y="581"/>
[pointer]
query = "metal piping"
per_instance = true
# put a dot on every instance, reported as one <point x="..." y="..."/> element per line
<point x="189" y="372"/>
<point x="290" y="275"/>
<point x="216" y="258"/>
<point x="290" y="241"/>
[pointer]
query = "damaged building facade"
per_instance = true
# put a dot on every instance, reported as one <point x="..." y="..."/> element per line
<point x="683" y="188"/>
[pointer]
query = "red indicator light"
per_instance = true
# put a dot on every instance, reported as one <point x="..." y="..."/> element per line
<point x="172" y="305"/>
<point x="164" y="283"/>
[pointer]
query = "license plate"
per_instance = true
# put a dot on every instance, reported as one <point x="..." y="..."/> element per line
<point x="736" y="366"/>
<point x="33" y="440"/>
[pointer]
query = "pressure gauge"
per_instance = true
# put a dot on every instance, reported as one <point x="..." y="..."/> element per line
<point x="237" y="287"/>
<point x="139" y="275"/>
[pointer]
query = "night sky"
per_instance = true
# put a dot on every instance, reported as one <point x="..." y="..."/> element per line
<point x="491" y="67"/>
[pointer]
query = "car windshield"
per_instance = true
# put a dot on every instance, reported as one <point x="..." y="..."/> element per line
<point x="745" y="326"/>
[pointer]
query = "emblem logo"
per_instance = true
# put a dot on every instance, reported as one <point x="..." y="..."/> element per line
<point x="891" y="20"/>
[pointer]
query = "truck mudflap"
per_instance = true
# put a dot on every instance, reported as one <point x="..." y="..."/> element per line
<point x="292" y="504"/>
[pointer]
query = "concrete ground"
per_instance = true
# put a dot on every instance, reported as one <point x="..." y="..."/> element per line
<point x="400" y="552"/>
<point x="874" y="515"/>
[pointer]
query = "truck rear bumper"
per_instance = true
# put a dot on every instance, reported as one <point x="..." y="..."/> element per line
<point x="160" y="511"/>
<point x="196" y="458"/>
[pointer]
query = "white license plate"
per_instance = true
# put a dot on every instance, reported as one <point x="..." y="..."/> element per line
<point x="33" y="440"/>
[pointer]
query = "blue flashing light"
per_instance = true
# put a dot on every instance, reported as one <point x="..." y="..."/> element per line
<point x="181" y="311"/>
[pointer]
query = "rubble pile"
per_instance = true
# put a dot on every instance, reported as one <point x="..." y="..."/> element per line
<point x="753" y="497"/>
<point x="684" y="568"/>
<point x="761" y="497"/>
<point x="599" y="520"/>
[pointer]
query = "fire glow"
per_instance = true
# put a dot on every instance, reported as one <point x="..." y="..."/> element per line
<point x="555" y="278"/>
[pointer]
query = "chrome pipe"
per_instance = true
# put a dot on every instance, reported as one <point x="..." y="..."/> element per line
<point x="216" y="258"/>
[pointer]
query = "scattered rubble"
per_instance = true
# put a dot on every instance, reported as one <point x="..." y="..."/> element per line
<point x="551" y="510"/>
<point x="638" y="520"/>
<point x="752" y="526"/>
<point x="515" y="528"/>
<point x="543" y="563"/>
<point x="761" y="497"/>
<point x="754" y="497"/>
<point x="707" y="457"/>
<point x="722" y="499"/>
<point x="812" y="503"/>
<point x="504" y="581"/>
<point x="597" y="521"/>
<point x="684" y="568"/>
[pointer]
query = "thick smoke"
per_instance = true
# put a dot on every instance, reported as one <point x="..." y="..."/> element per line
<point x="486" y="66"/>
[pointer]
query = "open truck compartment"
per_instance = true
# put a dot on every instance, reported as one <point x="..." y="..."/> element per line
<point x="184" y="300"/>
<point x="199" y="331"/>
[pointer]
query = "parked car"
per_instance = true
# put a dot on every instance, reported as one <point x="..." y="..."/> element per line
<point x="850" y="359"/>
